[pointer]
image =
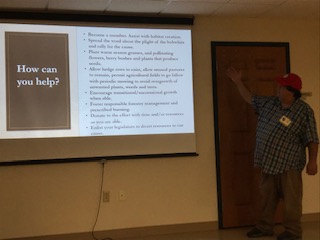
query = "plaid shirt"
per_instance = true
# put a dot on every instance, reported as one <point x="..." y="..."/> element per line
<point x="282" y="146"/>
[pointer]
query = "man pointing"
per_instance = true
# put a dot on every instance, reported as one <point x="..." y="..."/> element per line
<point x="286" y="128"/>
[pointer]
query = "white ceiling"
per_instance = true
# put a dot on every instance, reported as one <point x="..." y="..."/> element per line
<point x="307" y="9"/>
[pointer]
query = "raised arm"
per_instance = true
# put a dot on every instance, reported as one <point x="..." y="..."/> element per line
<point x="236" y="76"/>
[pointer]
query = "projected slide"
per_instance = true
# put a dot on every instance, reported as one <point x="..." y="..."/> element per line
<point x="72" y="81"/>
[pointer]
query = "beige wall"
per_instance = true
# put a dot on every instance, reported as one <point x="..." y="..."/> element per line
<point x="63" y="198"/>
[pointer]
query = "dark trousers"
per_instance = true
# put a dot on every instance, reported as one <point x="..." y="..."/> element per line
<point x="286" y="186"/>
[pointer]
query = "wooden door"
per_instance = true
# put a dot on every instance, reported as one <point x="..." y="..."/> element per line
<point x="235" y="124"/>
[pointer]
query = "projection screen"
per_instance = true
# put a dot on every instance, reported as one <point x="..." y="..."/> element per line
<point x="69" y="92"/>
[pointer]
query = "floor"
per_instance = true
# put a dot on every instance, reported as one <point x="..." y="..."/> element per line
<point x="311" y="231"/>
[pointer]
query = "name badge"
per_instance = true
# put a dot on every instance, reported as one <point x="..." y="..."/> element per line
<point x="285" y="121"/>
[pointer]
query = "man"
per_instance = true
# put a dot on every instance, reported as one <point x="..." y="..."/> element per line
<point x="286" y="127"/>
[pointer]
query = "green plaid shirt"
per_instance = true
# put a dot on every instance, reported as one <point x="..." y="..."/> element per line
<point x="282" y="146"/>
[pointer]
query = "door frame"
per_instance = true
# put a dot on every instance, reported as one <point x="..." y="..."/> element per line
<point x="214" y="45"/>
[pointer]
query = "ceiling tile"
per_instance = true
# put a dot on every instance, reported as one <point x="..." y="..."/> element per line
<point x="268" y="2"/>
<point x="199" y="1"/>
<point x="296" y="9"/>
<point x="78" y="5"/>
<point x="23" y="4"/>
<point x="200" y="7"/>
<point x="308" y="9"/>
<point x="242" y="10"/>
<point x="137" y="6"/>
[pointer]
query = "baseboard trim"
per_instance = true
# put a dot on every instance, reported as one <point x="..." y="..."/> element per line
<point x="131" y="232"/>
<point x="148" y="231"/>
<point x="311" y="217"/>
<point x="157" y="230"/>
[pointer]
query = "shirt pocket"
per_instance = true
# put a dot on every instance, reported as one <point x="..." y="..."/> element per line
<point x="293" y="132"/>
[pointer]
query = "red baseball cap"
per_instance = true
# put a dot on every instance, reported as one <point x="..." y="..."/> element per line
<point x="290" y="79"/>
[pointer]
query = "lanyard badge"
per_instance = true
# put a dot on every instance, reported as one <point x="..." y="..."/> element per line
<point x="285" y="121"/>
